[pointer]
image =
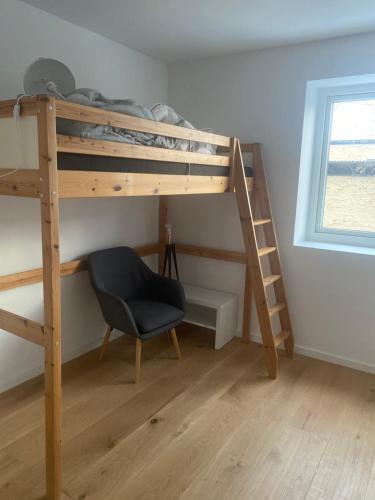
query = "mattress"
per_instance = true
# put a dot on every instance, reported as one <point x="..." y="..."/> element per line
<point x="72" y="161"/>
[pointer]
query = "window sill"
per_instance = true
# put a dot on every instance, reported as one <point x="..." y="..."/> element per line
<point x="336" y="247"/>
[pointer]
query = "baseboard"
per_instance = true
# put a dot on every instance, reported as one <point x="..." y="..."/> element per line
<point x="324" y="356"/>
<point x="255" y="337"/>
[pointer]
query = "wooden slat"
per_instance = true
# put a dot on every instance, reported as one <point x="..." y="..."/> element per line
<point x="88" y="114"/>
<point x="66" y="269"/>
<point x="22" y="327"/>
<point x="279" y="306"/>
<point x="259" y="222"/>
<point x="70" y="144"/>
<point x="211" y="253"/>
<point x="266" y="250"/>
<point x="25" y="183"/>
<point x="280" y="337"/>
<point x="272" y="278"/>
<point x="77" y="184"/>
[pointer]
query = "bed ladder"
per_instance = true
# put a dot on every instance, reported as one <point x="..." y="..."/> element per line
<point x="261" y="280"/>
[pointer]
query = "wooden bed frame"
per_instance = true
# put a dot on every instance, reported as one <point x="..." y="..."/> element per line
<point x="42" y="180"/>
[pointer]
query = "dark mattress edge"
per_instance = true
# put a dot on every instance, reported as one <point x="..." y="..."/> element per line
<point x="69" y="161"/>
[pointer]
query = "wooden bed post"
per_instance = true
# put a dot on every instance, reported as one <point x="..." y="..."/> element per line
<point x="52" y="293"/>
<point x="163" y="219"/>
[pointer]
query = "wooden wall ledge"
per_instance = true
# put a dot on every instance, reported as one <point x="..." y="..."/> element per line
<point x="75" y="266"/>
<point x="66" y="269"/>
<point x="211" y="253"/>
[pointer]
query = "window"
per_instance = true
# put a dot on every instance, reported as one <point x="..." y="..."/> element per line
<point x="336" y="191"/>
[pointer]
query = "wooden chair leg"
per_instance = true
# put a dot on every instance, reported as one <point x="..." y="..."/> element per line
<point x="105" y="344"/>
<point x="138" y="355"/>
<point x="175" y="343"/>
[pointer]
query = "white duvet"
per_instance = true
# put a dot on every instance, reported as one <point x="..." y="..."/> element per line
<point x="157" y="112"/>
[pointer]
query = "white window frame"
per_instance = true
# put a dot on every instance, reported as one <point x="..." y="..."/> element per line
<point x="320" y="96"/>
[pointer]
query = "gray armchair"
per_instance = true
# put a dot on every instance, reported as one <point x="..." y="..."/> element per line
<point x="134" y="299"/>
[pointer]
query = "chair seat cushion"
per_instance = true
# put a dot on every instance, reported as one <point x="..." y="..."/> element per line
<point x="151" y="315"/>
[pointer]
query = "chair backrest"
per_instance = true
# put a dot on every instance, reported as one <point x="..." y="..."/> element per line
<point x="119" y="271"/>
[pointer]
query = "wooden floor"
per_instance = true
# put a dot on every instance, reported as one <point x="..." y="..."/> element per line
<point x="209" y="427"/>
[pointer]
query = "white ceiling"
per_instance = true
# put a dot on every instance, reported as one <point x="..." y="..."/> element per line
<point x="173" y="30"/>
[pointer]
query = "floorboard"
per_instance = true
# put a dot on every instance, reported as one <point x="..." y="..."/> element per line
<point x="209" y="427"/>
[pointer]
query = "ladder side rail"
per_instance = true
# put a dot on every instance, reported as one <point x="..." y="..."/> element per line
<point x="253" y="262"/>
<point x="271" y="240"/>
<point x="248" y="292"/>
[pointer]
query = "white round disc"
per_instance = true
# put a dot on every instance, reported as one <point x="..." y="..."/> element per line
<point x="42" y="71"/>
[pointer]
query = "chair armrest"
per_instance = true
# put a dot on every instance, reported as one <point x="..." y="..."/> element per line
<point x="117" y="313"/>
<point x="167" y="290"/>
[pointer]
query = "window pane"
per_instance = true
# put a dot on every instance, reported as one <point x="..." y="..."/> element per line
<point x="349" y="202"/>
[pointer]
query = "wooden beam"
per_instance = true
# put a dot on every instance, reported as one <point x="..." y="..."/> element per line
<point x="78" y="265"/>
<point x="36" y="275"/>
<point x="79" y="184"/>
<point x="23" y="182"/>
<point x="211" y="253"/>
<point x="248" y="148"/>
<point x="52" y="296"/>
<point x="72" y="111"/>
<point x="66" y="269"/>
<point x="147" y="249"/>
<point x="71" y="144"/>
<point x="22" y="327"/>
<point x="29" y="106"/>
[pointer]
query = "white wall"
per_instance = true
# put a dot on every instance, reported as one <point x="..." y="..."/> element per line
<point x="259" y="96"/>
<point x="27" y="33"/>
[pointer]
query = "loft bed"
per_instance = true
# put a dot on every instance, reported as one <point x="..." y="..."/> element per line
<point x="57" y="166"/>
<point x="128" y="181"/>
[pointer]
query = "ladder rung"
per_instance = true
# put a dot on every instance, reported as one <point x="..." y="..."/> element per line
<point x="268" y="280"/>
<point x="258" y="222"/>
<point x="279" y="306"/>
<point x="280" y="337"/>
<point x="266" y="250"/>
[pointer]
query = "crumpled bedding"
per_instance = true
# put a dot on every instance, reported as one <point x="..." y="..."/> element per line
<point x="158" y="112"/>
